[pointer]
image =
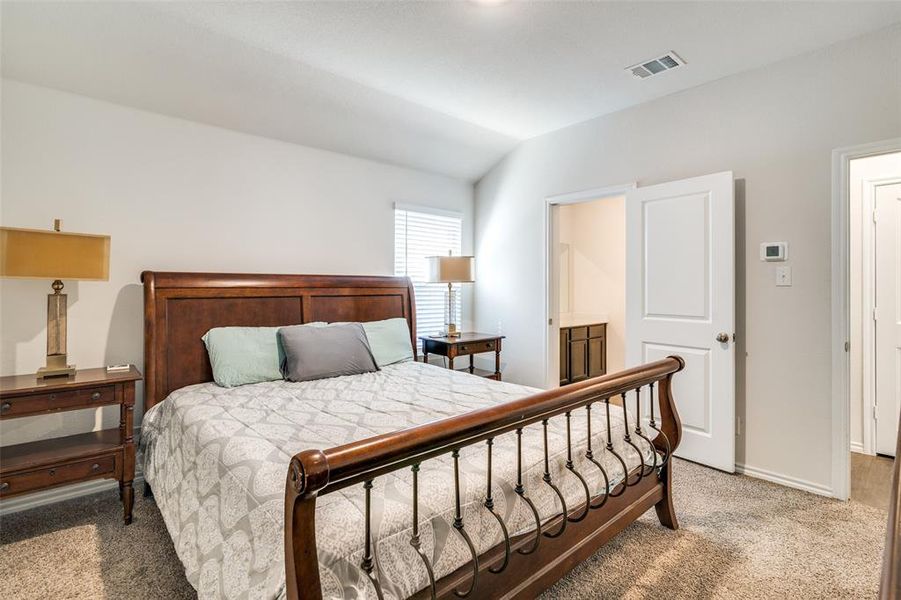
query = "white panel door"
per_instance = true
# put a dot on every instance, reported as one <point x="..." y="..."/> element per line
<point x="680" y="300"/>
<point x="888" y="316"/>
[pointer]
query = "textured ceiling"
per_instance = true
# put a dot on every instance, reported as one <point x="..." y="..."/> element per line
<point x="447" y="87"/>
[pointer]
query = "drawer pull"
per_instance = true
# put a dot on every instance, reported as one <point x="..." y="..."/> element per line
<point x="52" y="472"/>
<point x="4" y="486"/>
<point x="96" y="396"/>
<point x="5" y="407"/>
<point x="463" y="348"/>
<point x="95" y="467"/>
<point x="491" y="345"/>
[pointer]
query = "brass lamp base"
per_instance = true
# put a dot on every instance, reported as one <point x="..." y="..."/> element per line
<point x="57" y="363"/>
<point x="450" y="313"/>
<point x="56" y="367"/>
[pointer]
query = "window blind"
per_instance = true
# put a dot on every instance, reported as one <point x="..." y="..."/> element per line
<point x="417" y="235"/>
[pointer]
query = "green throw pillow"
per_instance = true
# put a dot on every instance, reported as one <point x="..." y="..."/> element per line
<point x="241" y="355"/>
<point x="389" y="341"/>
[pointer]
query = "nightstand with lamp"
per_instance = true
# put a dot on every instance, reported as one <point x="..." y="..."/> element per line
<point x="58" y="386"/>
<point x="451" y="343"/>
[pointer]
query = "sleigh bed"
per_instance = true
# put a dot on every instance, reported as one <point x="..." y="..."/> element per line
<point x="414" y="481"/>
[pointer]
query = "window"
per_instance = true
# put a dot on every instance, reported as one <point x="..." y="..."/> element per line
<point x="418" y="233"/>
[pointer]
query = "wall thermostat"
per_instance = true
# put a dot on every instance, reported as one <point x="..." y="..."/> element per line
<point x="774" y="251"/>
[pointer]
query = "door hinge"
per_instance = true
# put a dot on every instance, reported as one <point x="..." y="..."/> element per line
<point x="874" y="216"/>
<point x="550" y="321"/>
<point x="874" y="313"/>
<point x="847" y="346"/>
<point x="875" y="413"/>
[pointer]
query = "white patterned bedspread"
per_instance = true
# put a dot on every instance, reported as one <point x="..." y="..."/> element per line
<point x="217" y="458"/>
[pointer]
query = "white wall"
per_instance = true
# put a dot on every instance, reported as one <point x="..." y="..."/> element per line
<point x="596" y="235"/>
<point x="861" y="171"/>
<point x="775" y="128"/>
<point x="177" y="195"/>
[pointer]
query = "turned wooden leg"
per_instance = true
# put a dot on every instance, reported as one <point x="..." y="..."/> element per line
<point x="121" y="485"/>
<point x="666" y="513"/>
<point x="126" y="433"/>
<point x="128" y="500"/>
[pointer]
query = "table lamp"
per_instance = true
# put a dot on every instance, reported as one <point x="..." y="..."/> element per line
<point x="450" y="270"/>
<point x="37" y="254"/>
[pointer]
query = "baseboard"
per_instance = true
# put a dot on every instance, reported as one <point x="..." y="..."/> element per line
<point x="857" y="447"/>
<point x="792" y="482"/>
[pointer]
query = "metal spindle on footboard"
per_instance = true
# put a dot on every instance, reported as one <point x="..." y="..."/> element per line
<point x="489" y="505"/>
<point x="570" y="466"/>
<point x="414" y="539"/>
<point x="615" y="454"/>
<point x="640" y="433"/>
<point x="520" y="491"/>
<point x="458" y="525"/>
<point x="589" y="455"/>
<point x="553" y="542"/>
<point x="368" y="563"/>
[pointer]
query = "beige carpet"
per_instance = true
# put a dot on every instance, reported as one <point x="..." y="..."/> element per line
<point x="740" y="538"/>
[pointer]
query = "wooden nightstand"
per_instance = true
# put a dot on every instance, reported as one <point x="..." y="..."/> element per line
<point x="107" y="454"/>
<point x="463" y="345"/>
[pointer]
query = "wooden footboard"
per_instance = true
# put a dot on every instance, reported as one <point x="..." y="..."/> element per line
<point x="521" y="566"/>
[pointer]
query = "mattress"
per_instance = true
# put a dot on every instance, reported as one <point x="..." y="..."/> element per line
<point x="217" y="458"/>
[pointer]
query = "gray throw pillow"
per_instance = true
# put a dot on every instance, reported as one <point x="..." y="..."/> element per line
<point x="320" y="352"/>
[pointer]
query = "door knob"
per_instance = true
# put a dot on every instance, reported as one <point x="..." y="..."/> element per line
<point x="722" y="338"/>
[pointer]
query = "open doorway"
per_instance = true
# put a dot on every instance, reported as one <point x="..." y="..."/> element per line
<point x="586" y="285"/>
<point x="591" y="263"/>
<point x="874" y="208"/>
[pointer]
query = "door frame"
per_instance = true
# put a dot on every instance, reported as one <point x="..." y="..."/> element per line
<point x="551" y="293"/>
<point x="841" y="309"/>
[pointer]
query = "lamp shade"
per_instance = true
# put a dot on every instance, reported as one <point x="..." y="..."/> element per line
<point x="451" y="269"/>
<point x="53" y="255"/>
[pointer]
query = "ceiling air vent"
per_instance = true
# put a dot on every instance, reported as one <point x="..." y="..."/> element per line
<point x="668" y="61"/>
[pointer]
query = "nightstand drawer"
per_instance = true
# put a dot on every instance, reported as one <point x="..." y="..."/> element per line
<point x="64" y="473"/>
<point x="476" y="347"/>
<point x="21" y="406"/>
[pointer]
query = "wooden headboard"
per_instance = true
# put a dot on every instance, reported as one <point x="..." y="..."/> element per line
<point x="180" y="307"/>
